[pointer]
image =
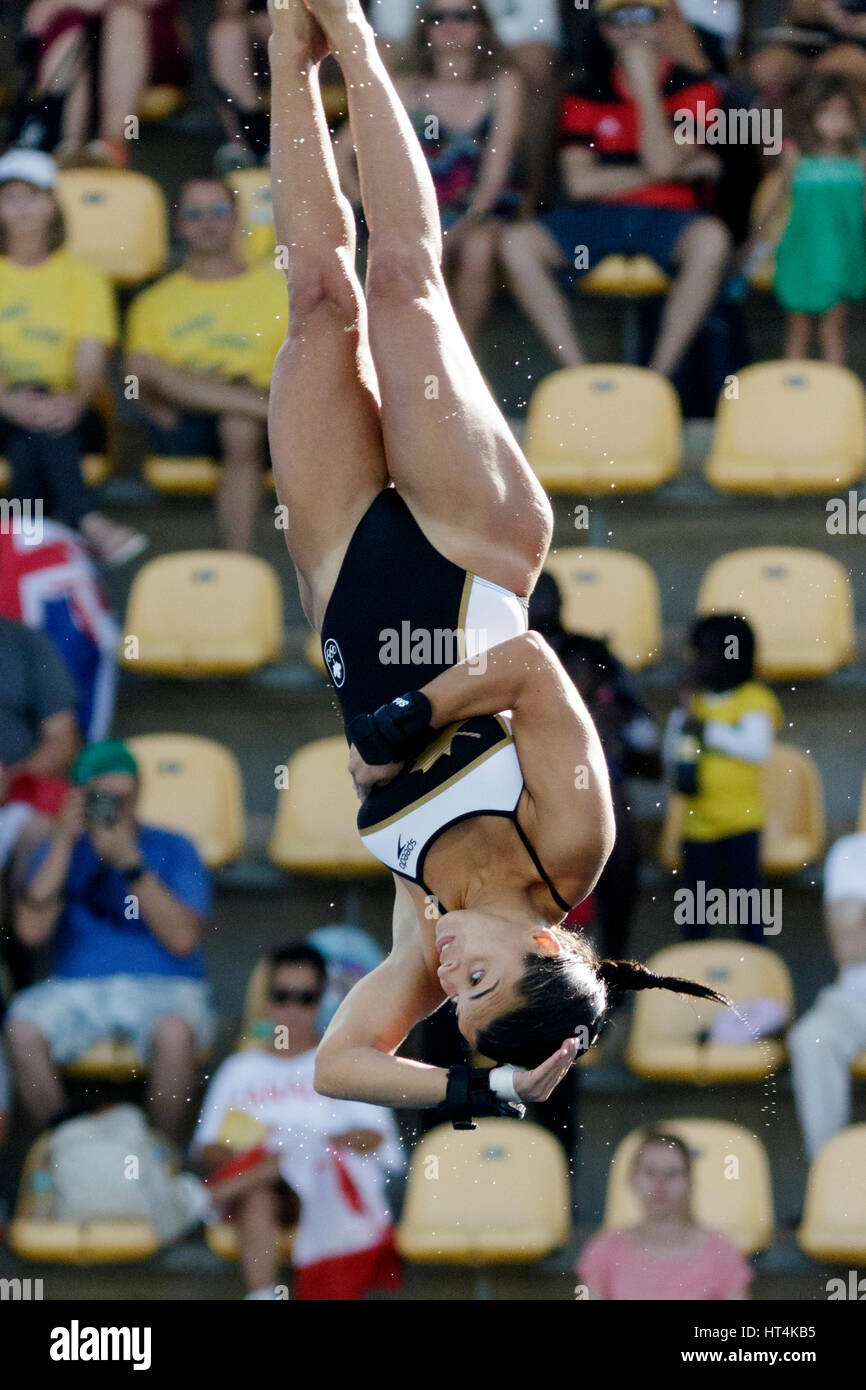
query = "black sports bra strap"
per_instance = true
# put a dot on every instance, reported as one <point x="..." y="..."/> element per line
<point x="530" y="850"/>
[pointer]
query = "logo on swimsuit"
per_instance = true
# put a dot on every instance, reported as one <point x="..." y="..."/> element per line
<point x="403" y="851"/>
<point x="334" y="662"/>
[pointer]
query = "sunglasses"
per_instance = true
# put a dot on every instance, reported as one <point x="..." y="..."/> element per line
<point x="454" y="16"/>
<point x="632" y="14"/>
<point x="307" y="997"/>
<point x="219" y="210"/>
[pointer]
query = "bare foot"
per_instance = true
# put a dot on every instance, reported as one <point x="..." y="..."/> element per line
<point x="297" y="31"/>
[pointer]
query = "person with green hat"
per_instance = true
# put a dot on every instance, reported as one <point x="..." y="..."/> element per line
<point x="122" y="905"/>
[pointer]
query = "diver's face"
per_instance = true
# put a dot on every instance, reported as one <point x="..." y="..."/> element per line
<point x="481" y="960"/>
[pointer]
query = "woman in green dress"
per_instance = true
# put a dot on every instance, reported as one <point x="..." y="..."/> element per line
<point x="821" y="260"/>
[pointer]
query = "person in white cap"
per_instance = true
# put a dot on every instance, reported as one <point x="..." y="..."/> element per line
<point x="826" y="1040"/>
<point x="58" y="320"/>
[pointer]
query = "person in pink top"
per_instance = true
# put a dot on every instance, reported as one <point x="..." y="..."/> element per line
<point x="667" y="1256"/>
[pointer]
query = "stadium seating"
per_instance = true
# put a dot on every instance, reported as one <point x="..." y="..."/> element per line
<point x="603" y="429"/>
<point x="741" y="1210"/>
<point x="313" y="655"/>
<point x="203" y="613"/>
<point x="834" y="1217"/>
<point x="117" y="220"/>
<point x="34" y="1237"/>
<point x="188" y="475"/>
<point x="315" y="831"/>
<point x="794" y="832"/>
<point x="501" y="1195"/>
<point x="666" y="1041"/>
<point x="193" y="785"/>
<point x="762" y="274"/>
<point x="256" y="235"/>
<point x="794" y="427"/>
<point x="798" y="601"/>
<point x="610" y="594"/>
<point x="626" y="277"/>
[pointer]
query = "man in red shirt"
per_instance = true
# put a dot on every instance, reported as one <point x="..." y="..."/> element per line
<point x="632" y="188"/>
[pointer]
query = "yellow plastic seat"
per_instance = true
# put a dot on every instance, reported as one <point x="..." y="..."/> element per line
<point x="795" y="831"/>
<point x="313" y="654"/>
<point x="222" y="1239"/>
<point x="192" y="785"/>
<point x="604" y="429"/>
<point x="203" y="613"/>
<point x="315" y="830"/>
<point x="861" y="818"/>
<point x="834" y="1217"/>
<point x="858" y="1067"/>
<point x="627" y="277"/>
<point x="664" y="1042"/>
<point x="117" y="220"/>
<point x="37" y="1238"/>
<point x="160" y="100"/>
<point x="610" y="594"/>
<point x="732" y="1193"/>
<point x="181" y="476"/>
<point x="256" y="238"/>
<point x="501" y="1195"/>
<point x="799" y="602"/>
<point x="796" y="427"/>
<point x="111" y="1059"/>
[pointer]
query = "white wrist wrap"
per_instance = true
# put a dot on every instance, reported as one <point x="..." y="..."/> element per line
<point x="501" y="1081"/>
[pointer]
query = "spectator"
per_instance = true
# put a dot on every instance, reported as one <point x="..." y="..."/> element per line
<point x="631" y="746"/>
<point x="530" y="32"/>
<point x="297" y="1157"/>
<point x="113" y="46"/>
<point x="825" y="1041"/>
<point x="123" y="905"/>
<point x="38" y="732"/>
<point x="631" y="189"/>
<point x="202" y="343"/>
<point x="459" y="74"/>
<point x="816" y="37"/>
<point x="53" y="586"/>
<point x="667" y="1256"/>
<point x="821" y="260"/>
<point x="237" y="58"/>
<point x="53" y="350"/>
<point x="717" y="743"/>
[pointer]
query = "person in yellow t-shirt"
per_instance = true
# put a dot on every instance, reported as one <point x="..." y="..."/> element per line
<point x="57" y="323"/>
<point x="718" y="742"/>
<point x="202" y="343"/>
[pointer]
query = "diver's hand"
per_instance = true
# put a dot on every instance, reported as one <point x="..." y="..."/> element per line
<point x="366" y="775"/>
<point x="538" y="1084"/>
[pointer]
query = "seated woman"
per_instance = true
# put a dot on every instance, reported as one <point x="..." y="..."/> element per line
<point x="417" y="530"/>
<point x="465" y="100"/>
<point x="667" y="1257"/>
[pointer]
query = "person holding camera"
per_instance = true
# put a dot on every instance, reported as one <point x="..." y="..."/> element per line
<point x="123" y="905"/>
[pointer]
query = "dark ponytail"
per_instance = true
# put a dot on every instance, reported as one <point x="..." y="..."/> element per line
<point x="568" y="995"/>
<point x="620" y="976"/>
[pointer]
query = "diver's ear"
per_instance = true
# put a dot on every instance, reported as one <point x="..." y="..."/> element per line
<point x="547" y="943"/>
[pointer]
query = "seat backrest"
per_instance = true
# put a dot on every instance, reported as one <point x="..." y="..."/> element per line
<point x="503" y="1174"/>
<point x="317" y="812"/>
<point x="603" y="410"/>
<point x="793" y="408"/>
<point x="203" y="612"/>
<point x="192" y="785"/>
<point x="256" y="236"/>
<point x="742" y="1209"/>
<point x="798" y="601"/>
<point x="740" y="970"/>
<point x="793" y="794"/>
<point x="835" y="1190"/>
<point x="116" y="219"/>
<point x="610" y="594"/>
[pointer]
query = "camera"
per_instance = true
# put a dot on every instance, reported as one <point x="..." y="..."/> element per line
<point x="103" y="808"/>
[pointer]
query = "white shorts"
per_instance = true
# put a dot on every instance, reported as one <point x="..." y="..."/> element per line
<point x="514" y="21"/>
<point x="75" y="1014"/>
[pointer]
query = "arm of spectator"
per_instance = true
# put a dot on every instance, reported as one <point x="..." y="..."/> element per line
<point x="660" y="154"/>
<point x="59" y="741"/>
<point x="363" y="1141"/>
<point x="501" y="147"/>
<point x="586" y="178"/>
<point x="751" y="739"/>
<point x="39" y="902"/>
<point x="177" y="926"/>
<point x="207" y="395"/>
<point x="213" y="1156"/>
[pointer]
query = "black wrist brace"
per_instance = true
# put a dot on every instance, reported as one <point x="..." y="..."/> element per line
<point x="394" y="731"/>
<point x="468" y="1097"/>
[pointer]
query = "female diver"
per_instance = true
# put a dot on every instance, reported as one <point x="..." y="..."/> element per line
<point x="417" y="530"/>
